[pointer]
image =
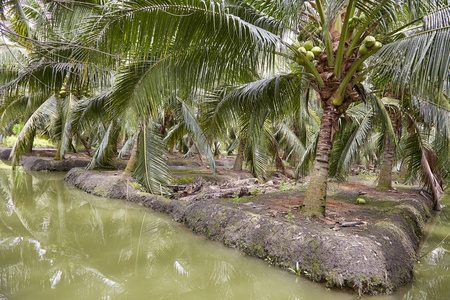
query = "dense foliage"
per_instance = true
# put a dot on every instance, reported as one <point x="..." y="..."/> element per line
<point x="320" y="84"/>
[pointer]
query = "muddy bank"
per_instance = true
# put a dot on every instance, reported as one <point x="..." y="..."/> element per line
<point x="42" y="160"/>
<point x="34" y="163"/>
<point x="374" y="260"/>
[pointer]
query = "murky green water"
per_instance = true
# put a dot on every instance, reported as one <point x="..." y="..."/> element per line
<point x="433" y="272"/>
<point x="59" y="243"/>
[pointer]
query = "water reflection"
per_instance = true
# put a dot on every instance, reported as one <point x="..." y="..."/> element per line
<point x="433" y="272"/>
<point x="57" y="242"/>
<point x="60" y="243"/>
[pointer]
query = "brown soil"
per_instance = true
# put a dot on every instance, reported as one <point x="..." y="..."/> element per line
<point x="341" y="205"/>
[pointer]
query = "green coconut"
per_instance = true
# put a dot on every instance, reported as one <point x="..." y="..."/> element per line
<point x="296" y="45"/>
<point x="361" y="201"/>
<point x="351" y="23"/>
<point x="363" y="50"/>
<point x="299" y="60"/>
<point x="309" y="55"/>
<point x="308" y="45"/>
<point x="377" y="46"/>
<point x="302" y="50"/>
<point x="320" y="28"/>
<point x="362" y="17"/>
<point x="316" y="50"/>
<point x="369" y="41"/>
<point x="360" y="68"/>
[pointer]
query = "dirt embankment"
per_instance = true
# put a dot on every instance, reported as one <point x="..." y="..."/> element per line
<point x="375" y="258"/>
<point x="42" y="160"/>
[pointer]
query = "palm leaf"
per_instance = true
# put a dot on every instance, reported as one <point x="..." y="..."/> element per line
<point x="47" y="109"/>
<point x="190" y="121"/>
<point x="423" y="164"/>
<point x="151" y="169"/>
<point x="104" y="153"/>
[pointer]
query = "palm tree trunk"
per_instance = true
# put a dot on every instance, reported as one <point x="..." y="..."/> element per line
<point x="216" y="149"/>
<point x="199" y="153"/>
<point x="31" y="140"/>
<point x="278" y="160"/>
<point x="385" y="180"/>
<point x="132" y="161"/>
<point x="58" y="155"/>
<point x="85" y="144"/>
<point x="238" y="162"/>
<point x="315" y="200"/>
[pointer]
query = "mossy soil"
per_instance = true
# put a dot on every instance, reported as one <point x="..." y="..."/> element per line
<point x="377" y="256"/>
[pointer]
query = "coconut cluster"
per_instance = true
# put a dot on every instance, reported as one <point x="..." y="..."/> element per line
<point x="370" y="44"/>
<point x="308" y="50"/>
<point x="355" y="21"/>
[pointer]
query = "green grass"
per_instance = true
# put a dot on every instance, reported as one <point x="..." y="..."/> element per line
<point x="182" y="180"/>
<point x="38" y="142"/>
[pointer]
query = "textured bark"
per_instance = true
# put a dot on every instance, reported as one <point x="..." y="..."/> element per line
<point x="385" y="180"/>
<point x="240" y="156"/>
<point x="278" y="160"/>
<point x="30" y="144"/>
<point x="58" y="155"/>
<point x="216" y="149"/>
<point x="315" y="200"/>
<point x="86" y="145"/>
<point x="132" y="161"/>
<point x="199" y="153"/>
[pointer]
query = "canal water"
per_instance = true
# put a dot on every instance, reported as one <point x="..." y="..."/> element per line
<point x="57" y="242"/>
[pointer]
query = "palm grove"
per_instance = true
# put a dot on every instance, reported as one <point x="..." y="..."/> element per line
<point x="321" y="84"/>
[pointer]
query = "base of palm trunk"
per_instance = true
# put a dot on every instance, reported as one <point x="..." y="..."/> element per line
<point x="315" y="200"/>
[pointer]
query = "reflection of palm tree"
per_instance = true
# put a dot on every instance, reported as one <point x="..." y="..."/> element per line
<point x="36" y="234"/>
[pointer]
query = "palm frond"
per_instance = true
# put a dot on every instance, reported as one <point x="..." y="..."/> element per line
<point x="422" y="163"/>
<point x="47" y="109"/>
<point x="151" y="169"/>
<point x="274" y="94"/>
<point x="104" y="153"/>
<point x="353" y="138"/>
<point x="384" y="115"/>
<point x="417" y="64"/>
<point x="306" y="162"/>
<point x="191" y="123"/>
<point x="433" y="113"/>
<point x="288" y="137"/>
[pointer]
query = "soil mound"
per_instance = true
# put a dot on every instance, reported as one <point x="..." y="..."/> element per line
<point x="376" y="257"/>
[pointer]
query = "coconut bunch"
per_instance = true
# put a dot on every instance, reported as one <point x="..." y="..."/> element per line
<point x="308" y="49"/>
<point x="356" y="20"/>
<point x="77" y="92"/>
<point x="369" y="44"/>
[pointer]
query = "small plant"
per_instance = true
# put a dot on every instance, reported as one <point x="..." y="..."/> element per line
<point x="307" y="274"/>
<point x="236" y="198"/>
<point x="296" y="270"/>
<point x="269" y="260"/>
<point x="256" y="192"/>
<point x="290" y="216"/>
<point x="285" y="186"/>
